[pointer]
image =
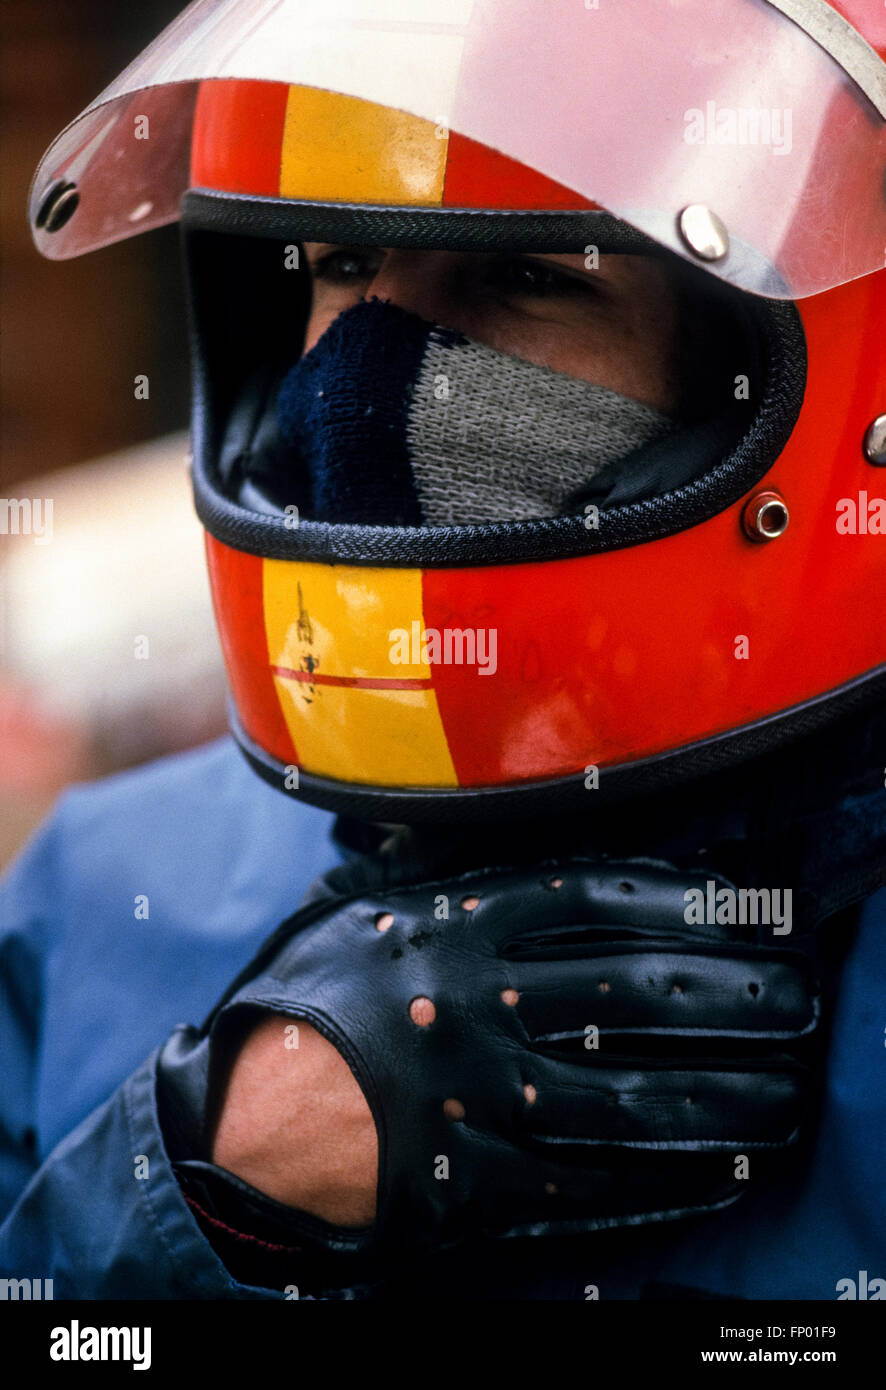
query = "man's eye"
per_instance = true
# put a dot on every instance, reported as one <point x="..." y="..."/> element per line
<point x="346" y="265"/>
<point x="533" y="279"/>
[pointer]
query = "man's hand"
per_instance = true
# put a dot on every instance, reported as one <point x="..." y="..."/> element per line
<point x="553" y="1049"/>
<point x="296" y="1125"/>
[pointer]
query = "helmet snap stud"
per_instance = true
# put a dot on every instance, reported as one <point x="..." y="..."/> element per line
<point x="875" y="442"/>
<point x="59" y="204"/>
<point x="703" y="232"/>
<point x="765" y="517"/>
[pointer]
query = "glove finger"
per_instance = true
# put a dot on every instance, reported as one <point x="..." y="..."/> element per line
<point x="615" y="1187"/>
<point x="682" y="991"/>
<point x="533" y="1192"/>
<point x="615" y="898"/>
<point x="522" y="912"/>
<point x="663" y="1105"/>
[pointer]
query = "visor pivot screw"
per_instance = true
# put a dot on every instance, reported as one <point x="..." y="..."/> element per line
<point x="703" y="232"/>
<point x="59" y="204"/>
<point x="875" y="442"/>
<point x="765" y="517"/>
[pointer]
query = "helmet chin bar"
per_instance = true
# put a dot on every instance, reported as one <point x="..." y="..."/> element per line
<point x="752" y="752"/>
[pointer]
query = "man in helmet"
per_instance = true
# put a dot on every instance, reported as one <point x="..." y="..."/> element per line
<point x="529" y="397"/>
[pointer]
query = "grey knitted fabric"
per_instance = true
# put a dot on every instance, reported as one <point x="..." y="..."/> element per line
<point x="494" y="438"/>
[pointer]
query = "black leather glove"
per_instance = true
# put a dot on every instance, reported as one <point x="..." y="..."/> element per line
<point x="592" y="1060"/>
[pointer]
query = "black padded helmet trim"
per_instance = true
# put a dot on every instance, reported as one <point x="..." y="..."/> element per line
<point x="782" y="343"/>
<point x="452" y="229"/>
<point x="569" y="794"/>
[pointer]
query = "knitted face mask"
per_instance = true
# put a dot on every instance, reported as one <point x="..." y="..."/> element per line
<point x="392" y="420"/>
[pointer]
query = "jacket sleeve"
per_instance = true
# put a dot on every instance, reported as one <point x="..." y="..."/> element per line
<point x="25" y="892"/>
<point x="103" y="1215"/>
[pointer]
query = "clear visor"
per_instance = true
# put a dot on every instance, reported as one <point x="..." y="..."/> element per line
<point x="720" y="128"/>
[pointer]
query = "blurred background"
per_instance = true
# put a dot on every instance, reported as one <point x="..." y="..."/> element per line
<point x="108" y="652"/>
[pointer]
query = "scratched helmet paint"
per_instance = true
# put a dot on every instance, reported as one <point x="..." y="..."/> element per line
<point x="747" y="137"/>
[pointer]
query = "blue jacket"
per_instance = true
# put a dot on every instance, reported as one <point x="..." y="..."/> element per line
<point x="131" y="910"/>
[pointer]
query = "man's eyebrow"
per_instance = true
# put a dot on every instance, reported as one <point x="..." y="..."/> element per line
<point x="343" y="246"/>
<point x="578" y="272"/>
<point x="316" y="250"/>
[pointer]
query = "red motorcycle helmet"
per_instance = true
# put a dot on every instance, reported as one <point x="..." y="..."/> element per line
<point x="637" y="647"/>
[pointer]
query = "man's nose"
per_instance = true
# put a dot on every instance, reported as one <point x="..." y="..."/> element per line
<point x="419" y="281"/>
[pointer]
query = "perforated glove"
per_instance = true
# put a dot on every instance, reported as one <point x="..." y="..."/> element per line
<point x="591" y="1059"/>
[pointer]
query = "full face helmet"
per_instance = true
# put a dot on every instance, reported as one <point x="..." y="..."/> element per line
<point x="729" y="605"/>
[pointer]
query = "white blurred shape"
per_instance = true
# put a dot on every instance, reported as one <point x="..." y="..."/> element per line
<point x="125" y="562"/>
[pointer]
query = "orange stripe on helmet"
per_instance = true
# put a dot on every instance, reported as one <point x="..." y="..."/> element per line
<point x="344" y="149"/>
<point x="356" y="711"/>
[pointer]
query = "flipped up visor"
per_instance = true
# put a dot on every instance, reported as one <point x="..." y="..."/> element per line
<point x="645" y="108"/>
